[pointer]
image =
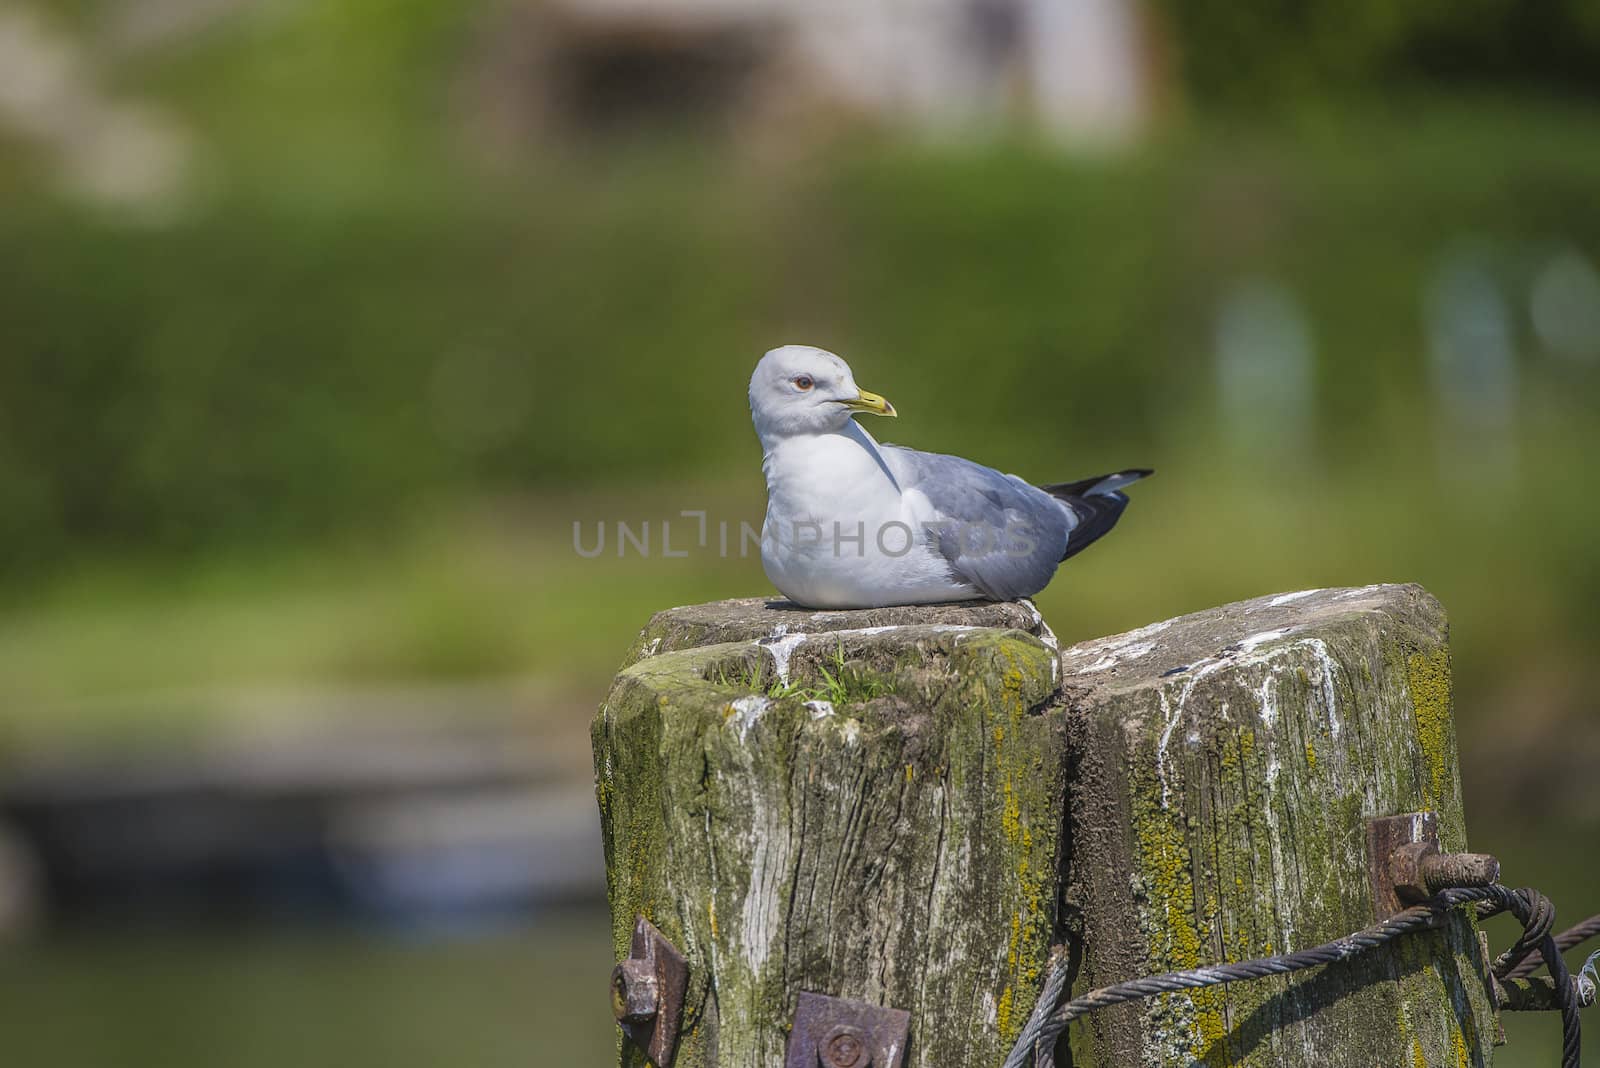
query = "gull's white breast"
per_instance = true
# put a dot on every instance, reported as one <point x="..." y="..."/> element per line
<point x="839" y="532"/>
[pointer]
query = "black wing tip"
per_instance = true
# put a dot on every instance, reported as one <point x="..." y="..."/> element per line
<point x="1097" y="502"/>
<point x="1100" y="485"/>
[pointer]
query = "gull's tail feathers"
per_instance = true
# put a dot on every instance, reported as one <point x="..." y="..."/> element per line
<point x="1097" y="503"/>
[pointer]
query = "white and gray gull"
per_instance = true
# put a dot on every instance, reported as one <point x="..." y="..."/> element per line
<point x="854" y="524"/>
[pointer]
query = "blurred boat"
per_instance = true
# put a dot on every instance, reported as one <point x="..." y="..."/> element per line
<point x="399" y="818"/>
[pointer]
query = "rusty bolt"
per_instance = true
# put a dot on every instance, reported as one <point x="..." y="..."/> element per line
<point x="635" y="992"/>
<point x="1447" y="871"/>
<point x="845" y="1047"/>
<point x="1419" y="870"/>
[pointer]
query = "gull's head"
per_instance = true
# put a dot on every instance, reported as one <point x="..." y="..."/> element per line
<point x="798" y="389"/>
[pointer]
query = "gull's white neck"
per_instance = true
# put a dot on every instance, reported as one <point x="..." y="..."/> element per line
<point x="830" y="462"/>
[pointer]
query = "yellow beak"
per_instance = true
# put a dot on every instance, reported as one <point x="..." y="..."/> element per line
<point x="870" y="403"/>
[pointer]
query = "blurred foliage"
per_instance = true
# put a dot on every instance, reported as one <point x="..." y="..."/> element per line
<point x="259" y="371"/>
<point x="1260" y="51"/>
<point x="352" y="318"/>
<point x="1268" y="54"/>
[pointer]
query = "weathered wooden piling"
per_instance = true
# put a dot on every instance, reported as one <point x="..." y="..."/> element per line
<point x="910" y="806"/>
<point x="892" y="835"/>
<point x="1225" y="765"/>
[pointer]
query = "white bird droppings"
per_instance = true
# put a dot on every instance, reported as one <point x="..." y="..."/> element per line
<point x="1109" y="652"/>
<point x="746" y="713"/>
<point x="782" y="646"/>
<point x="1256" y="641"/>
<point x="1269" y="702"/>
<point x="1323" y="677"/>
<point x="1117" y="656"/>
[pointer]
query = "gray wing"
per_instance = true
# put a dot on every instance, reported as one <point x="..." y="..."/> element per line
<point x="999" y="534"/>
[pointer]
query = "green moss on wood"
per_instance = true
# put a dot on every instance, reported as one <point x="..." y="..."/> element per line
<point x="903" y="847"/>
<point x="900" y="846"/>
<point x="1247" y="785"/>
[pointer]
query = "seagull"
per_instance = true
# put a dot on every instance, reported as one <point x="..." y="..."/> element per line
<point x="854" y="524"/>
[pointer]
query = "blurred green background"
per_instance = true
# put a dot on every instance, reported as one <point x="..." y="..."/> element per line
<point x="323" y="324"/>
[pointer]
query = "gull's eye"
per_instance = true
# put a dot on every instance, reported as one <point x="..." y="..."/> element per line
<point x="803" y="383"/>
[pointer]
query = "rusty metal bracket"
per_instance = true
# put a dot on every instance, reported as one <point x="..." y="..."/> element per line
<point x="1406" y="866"/>
<point x="647" y="993"/>
<point x="1385" y="835"/>
<point x="841" y="1033"/>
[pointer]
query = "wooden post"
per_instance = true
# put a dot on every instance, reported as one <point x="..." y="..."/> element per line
<point x="1225" y="766"/>
<point x="890" y="836"/>
<point x="909" y="806"/>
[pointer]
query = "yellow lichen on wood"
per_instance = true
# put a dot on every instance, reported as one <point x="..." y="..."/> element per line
<point x="1003" y="1013"/>
<point x="1428" y="681"/>
<point x="1020" y="773"/>
<point x="1247" y="764"/>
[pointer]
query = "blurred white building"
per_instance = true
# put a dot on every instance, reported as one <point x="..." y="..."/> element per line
<point x="1077" y="68"/>
<point x="126" y="154"/>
